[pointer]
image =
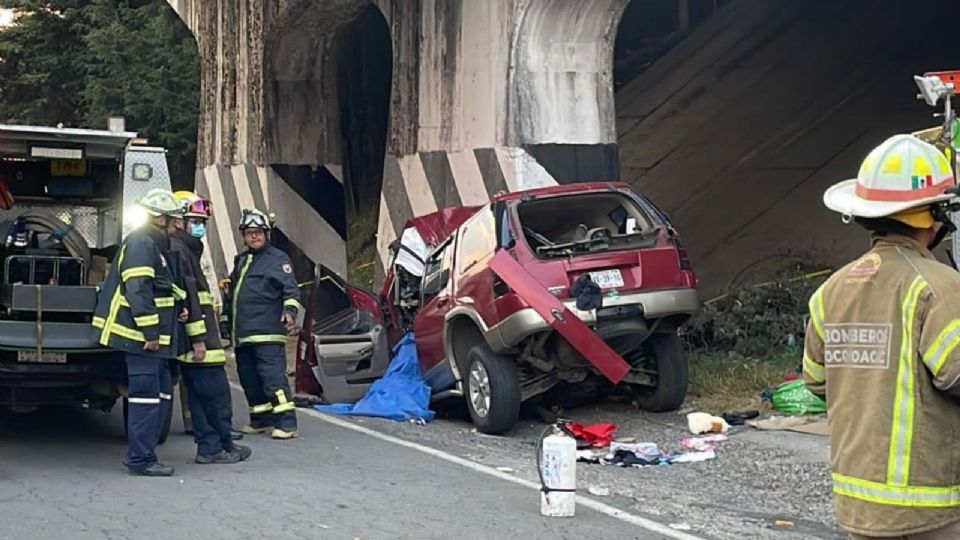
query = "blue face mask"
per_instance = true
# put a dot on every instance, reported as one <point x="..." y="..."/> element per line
<point x="197" y="230"/>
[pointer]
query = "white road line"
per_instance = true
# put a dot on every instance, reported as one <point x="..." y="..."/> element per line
<point x="605" y="509"/>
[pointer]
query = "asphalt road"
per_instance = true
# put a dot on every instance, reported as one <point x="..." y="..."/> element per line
<point x="61" y="477"/>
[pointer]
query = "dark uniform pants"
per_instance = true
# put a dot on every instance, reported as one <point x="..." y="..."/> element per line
<point x="210" y="409"/>
<point x="150" y="389"/>
<point x="263" y="374"/>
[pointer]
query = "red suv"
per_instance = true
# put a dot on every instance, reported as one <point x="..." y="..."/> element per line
<point x="578" y="286"/>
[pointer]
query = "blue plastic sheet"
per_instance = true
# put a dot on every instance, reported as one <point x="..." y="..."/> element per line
<point x="401" y="394"/>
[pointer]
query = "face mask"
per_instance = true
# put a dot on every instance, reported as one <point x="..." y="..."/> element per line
<point x="197" y="230"/>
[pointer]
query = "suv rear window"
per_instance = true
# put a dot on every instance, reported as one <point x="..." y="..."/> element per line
<point x="585" y="223"/>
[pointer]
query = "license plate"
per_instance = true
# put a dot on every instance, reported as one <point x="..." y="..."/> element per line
<point x="47" y="358"/>
<point x="607" y="279"/>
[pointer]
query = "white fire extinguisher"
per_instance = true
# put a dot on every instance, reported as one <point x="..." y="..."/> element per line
<point x="557" y="464"/>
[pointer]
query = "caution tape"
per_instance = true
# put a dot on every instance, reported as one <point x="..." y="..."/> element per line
<point x="804" y="277"/>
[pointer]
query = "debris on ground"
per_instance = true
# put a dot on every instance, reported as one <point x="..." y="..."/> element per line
<point x="401" y="394"/>
<point x="680" y="527"/>
<point x="783" y="523"/>
<point x="700" y="422"/>
<point x="599" y="491"/>
<point x="793" y="397"/>
<point x="813" y="425"/>
<point x="505" y="469"/>
<point x="738" y="418"/>
<point x="592" y="435"/>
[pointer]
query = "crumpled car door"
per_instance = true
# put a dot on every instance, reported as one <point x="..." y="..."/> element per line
<point x="349" y="338"/>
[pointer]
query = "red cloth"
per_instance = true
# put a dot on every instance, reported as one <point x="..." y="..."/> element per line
<point x="597" y="435"/>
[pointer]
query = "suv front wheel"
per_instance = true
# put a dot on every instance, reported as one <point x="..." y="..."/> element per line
<point x="492" y="388"/>
<point x="673" y="373"/>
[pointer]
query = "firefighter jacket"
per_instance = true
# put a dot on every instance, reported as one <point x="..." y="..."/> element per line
<point x="262" y="289"/>
<point x="882" y="346"/>
<point x="201" y="325"/>
<point x="138" y="300"/>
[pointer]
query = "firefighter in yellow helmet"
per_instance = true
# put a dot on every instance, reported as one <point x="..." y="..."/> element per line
<point x="199" y="350"/>
<point x="882" y="347"/>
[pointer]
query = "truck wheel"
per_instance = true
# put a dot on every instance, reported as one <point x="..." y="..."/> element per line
<point x="673" y="374"/>
<point x="164" y="423"/>
<point x="492" y="390"/>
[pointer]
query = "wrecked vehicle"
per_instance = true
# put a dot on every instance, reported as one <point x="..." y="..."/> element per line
<point x="490" y="292"/>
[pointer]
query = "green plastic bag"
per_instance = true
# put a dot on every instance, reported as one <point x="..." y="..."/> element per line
<point x="793" y="397"/>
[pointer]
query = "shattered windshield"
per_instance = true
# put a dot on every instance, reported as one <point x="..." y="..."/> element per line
<point x="585" y="223"/>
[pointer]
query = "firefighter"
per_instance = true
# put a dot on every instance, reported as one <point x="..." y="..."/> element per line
<point x="136" y="313"/>
<point x="260" y="308"/>
<point x="200" y="353"/>
<point x="882" y="347"/>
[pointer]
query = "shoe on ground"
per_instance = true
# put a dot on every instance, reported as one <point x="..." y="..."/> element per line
<point x="221" y="457"/>
<point x="236" y="434"/>
<point x="284" y="434"/>
<point x="243" y="451"/>
<point x="253" y="430"/>
<point x="157" y="469"/>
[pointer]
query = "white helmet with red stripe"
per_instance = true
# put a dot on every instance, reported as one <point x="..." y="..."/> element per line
<point x="903" y="172"/>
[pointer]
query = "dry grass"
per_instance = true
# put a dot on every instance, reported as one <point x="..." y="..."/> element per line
<point x="719" y="383"/>
<point x="362" y="247"/>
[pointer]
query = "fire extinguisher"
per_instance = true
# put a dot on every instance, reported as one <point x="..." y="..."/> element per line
<point x="557" y="466"/>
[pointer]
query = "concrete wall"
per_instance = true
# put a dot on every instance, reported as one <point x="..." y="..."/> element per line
<point x="485" y="96"/>
<point x="740" y="128"/>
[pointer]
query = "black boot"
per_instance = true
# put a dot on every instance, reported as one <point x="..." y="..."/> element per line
<point x="220" y="457"/>
<point x="243" y="451"/>
<point x="157" y="469"/>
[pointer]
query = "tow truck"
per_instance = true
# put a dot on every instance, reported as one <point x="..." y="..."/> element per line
<point x="67" y="198"/>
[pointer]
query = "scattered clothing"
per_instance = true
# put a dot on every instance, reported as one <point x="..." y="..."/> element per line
<point x="702" y="444"/>
<point x="592" y="435"/>
<point x="587" y="293"/>
<point x="740" y="417"/>
<point x="694" y="457"/>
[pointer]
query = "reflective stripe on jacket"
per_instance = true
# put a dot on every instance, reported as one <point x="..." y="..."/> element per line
<point x="137" y="301"/>
<point x="201" y="325"/>
<point x="262" y="289"/>
<point x="882" y="345"/>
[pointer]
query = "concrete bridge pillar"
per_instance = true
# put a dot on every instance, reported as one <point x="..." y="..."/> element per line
<point x="432" y="103"/>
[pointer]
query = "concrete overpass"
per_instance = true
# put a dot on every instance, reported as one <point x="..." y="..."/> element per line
<point x="735" y="131"/>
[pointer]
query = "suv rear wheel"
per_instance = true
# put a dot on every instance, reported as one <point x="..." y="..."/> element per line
<point x="673" y="373"/>
<point x="492" y="390"/>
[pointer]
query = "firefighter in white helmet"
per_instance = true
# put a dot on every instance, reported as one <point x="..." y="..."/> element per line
<point x="882" y="346"/>
<point x="136" y="313"/>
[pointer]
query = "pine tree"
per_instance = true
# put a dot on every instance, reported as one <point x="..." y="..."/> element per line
<point x="99" y="58"/>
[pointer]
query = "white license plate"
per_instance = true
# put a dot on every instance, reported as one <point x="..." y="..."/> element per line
<point x="48" y="357"/>
<point x="607" y="279"/>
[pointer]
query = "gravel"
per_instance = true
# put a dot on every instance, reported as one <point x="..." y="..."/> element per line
<point x="762" y="484"/>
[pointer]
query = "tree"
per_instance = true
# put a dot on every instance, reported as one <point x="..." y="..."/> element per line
<point x="41" y="74"/>
<point x="130" y="58"/>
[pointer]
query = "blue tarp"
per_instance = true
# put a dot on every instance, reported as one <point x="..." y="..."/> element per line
<point x="401" y="394"/>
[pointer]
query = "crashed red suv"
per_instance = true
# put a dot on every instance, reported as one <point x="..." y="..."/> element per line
<point x="487" y="292"/>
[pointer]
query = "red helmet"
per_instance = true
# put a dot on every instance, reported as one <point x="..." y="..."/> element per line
<point x="194" y="205"/>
